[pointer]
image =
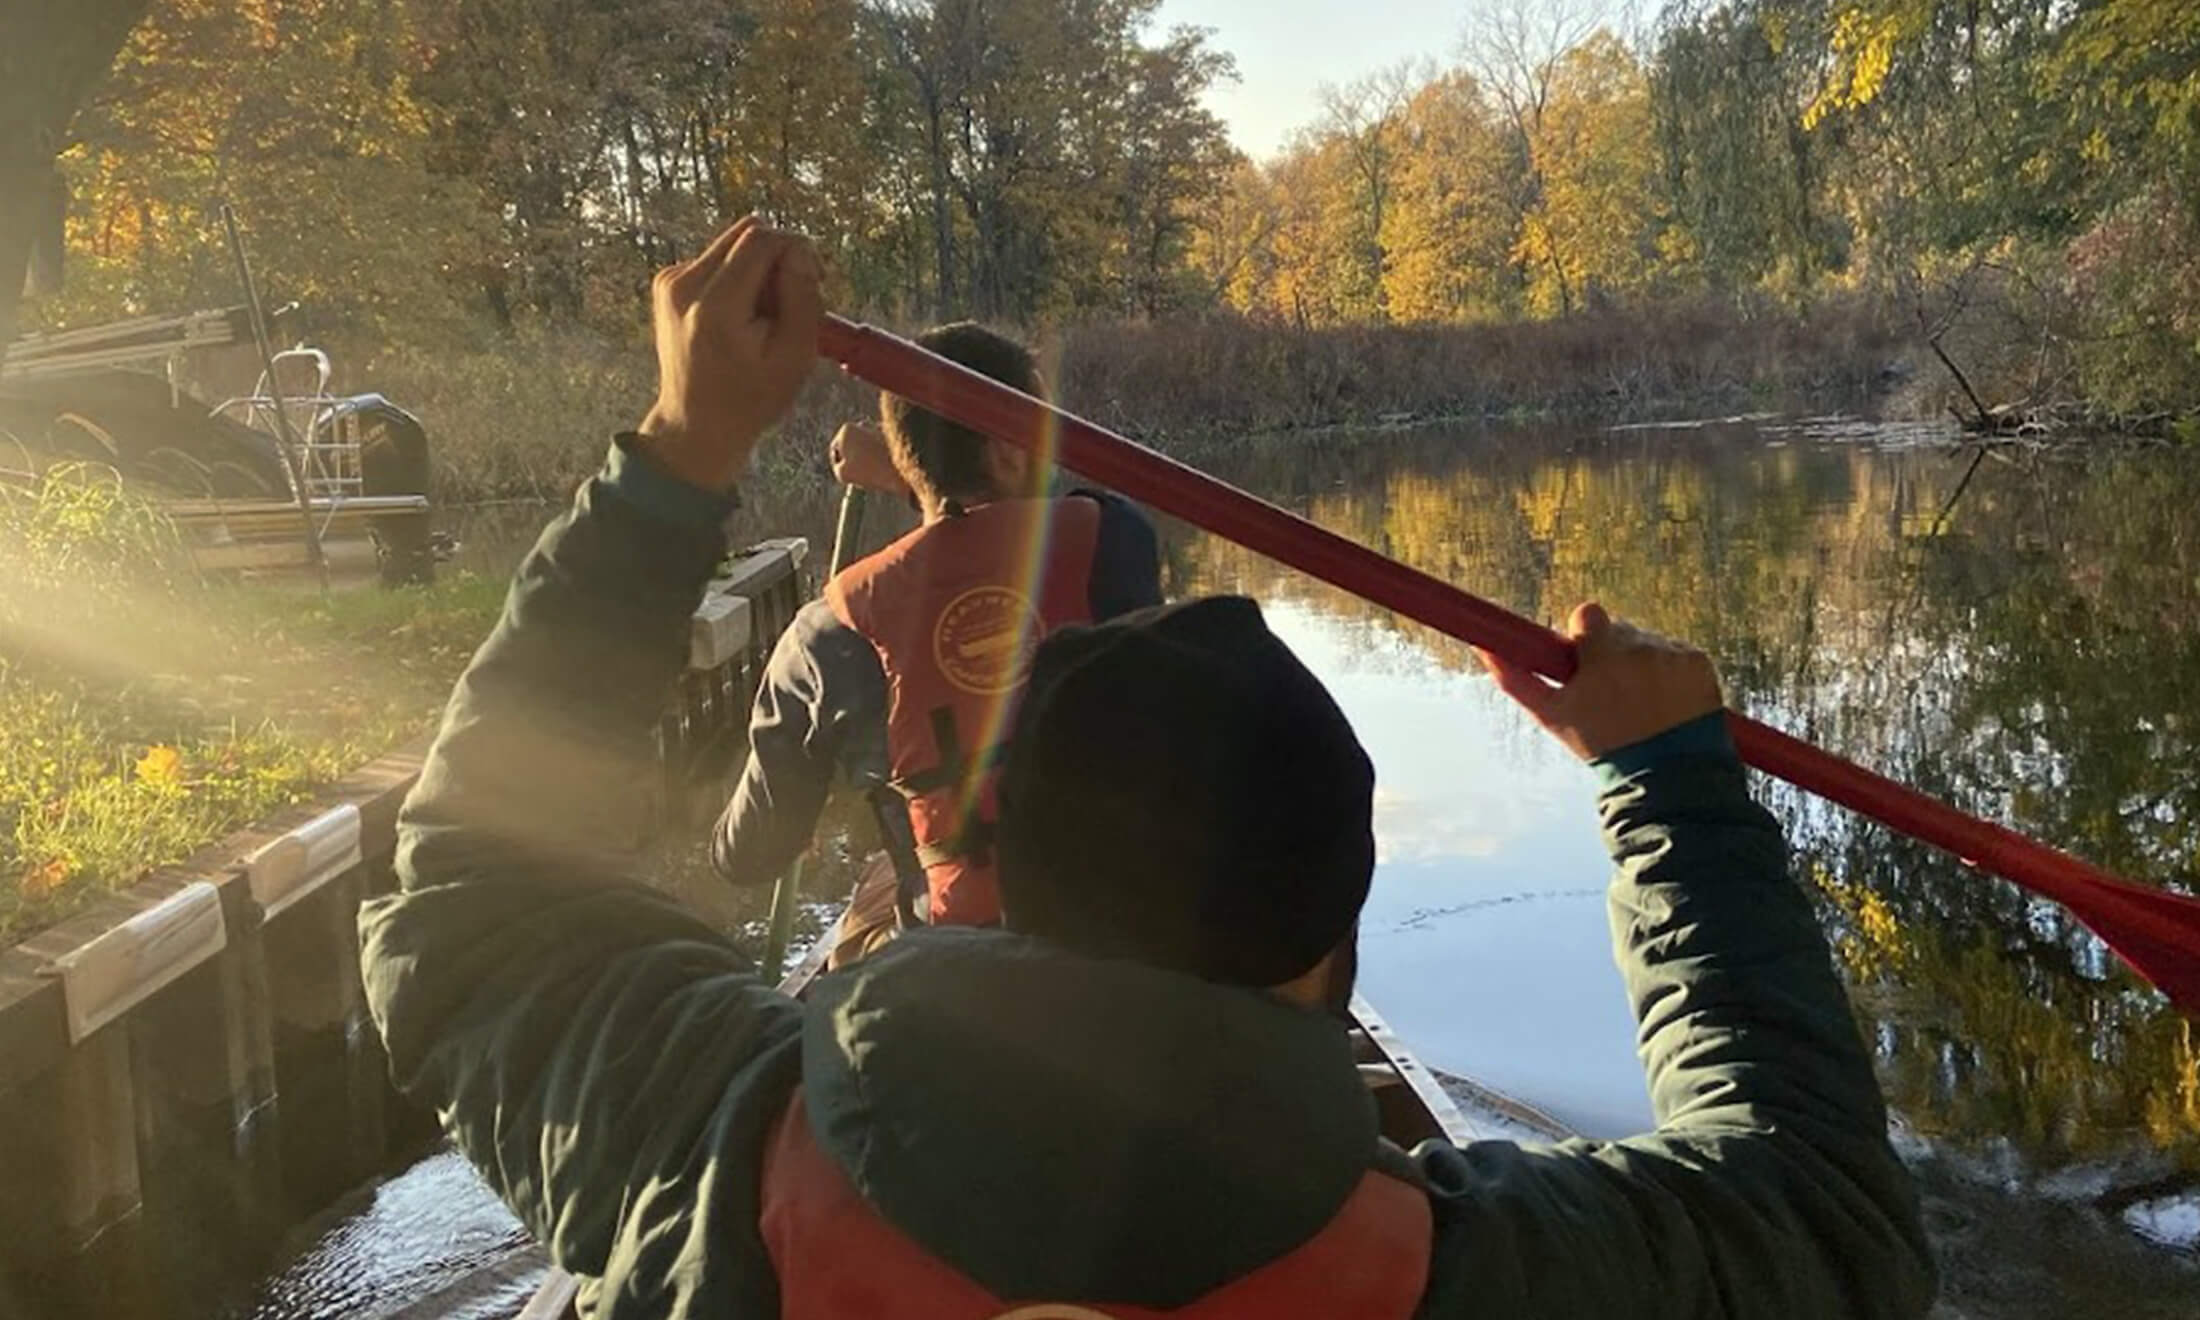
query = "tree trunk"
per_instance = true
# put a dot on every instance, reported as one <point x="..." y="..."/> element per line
<point x="22" y="177"/>
<point x="903" y="39"/>
<point x="943" y="228"/>
<point x="50" y="57"/>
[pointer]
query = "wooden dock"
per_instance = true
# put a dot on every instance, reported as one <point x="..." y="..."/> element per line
<point x="188" y="1071"/>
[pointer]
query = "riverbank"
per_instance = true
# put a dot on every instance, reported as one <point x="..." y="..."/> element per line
<point x="1173" y="382"/>
<point x="147" y="711"/>
<point x="523" y="416"/>
<point x="189" y="1067"/>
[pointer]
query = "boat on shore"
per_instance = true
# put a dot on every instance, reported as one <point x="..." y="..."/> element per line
<point x="286" y="476"/>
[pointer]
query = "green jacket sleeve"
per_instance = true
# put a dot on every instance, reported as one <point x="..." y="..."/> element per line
<point x="527" y="989"/>
<point x="1768" y="1188"/>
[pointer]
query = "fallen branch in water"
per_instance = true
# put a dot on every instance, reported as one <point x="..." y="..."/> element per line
<point x="1985" y="415"/>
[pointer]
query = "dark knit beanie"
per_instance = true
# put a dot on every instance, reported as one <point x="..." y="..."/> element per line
<point x="1182" y="791"/>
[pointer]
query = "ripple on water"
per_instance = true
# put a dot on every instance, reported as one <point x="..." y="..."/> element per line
<point x="1775" y="431"/>
<point x="2172" y="1221"/>
<point x="1841" y="429"/>
<point x="432" y="1232"/>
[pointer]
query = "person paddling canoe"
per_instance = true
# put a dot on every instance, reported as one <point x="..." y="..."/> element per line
<point x="1135" y="1098"/>
<point x="903" y="676"/>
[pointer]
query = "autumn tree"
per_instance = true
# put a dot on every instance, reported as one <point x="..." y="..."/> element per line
<point x="1174" y="165"/>
<point x="1061" y="155"/>
<point x="595" y="129"/>
<point x="51" y="56"/>
<point x="1592" y="233"/>
<point x="1363" y="127"/>
<point x="1425" y="196"/>
<point x="424" y="172"/>
<point x="1742" y="176"/>
<point x="1448" y="233"/>
<point x="1514" y="48"/>
<point x="1318" y="267"/>
<point x="2129" y="74"/>
<point x="304" y="114"/>
<point x="1233" y="231"/>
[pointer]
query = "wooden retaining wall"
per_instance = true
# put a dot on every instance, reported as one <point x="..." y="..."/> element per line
<point x="188" y="1071"/>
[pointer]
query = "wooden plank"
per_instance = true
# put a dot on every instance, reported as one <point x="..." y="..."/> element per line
<point x="33" y="1025"/>
<point x="556" y="1299"/>
<point x="766" y="563"/>
<point x="191" y="329"/>
<point x="33" y="1015"/>
<point x="276" y="525"/>
<point x="197" y="509"/>
<point x="355" y="554"/>
<point x="123" y="966"/>
<point x="719" y="630"/>
<point x="34" y="1032"/>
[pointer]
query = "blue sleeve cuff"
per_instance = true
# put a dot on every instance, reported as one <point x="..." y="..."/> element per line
<point x="1705" y="736"/>
<point x="634" y="478"/>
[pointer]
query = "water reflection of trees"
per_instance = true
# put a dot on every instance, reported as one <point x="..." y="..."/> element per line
<point x="2034" y="658"/>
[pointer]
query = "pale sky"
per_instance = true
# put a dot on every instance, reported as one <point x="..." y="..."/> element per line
<point x="1286" y="49"/>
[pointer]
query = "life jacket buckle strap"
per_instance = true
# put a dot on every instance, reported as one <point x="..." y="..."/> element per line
<point x="925" y="782"/>
<point x="973" y="844"/>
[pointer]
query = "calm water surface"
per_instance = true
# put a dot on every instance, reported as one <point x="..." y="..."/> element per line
<point x="2026" y="643"/>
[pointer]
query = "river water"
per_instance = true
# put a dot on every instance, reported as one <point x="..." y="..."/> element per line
<point x="2019" y="633"/>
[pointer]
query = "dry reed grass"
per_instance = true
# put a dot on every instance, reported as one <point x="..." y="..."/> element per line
<point x="526" y="415"/>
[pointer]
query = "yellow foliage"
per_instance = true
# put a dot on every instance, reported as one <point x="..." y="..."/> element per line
<point x="1447" y="229"/>
<point x="1231" y="230"/>
<point x="793" y="154"/>
<point x="1594" y="230"/>
<point x="1865" y="40"/>
<point x="304" y="114"/>
<point x="1543" y="502"/>
<point x="1876" y="947"/>
<point x="161" y="767"/>
<point x="2173" y="1115"/>
<point x="1437" y="205"/>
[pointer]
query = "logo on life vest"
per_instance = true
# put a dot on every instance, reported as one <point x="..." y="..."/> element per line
<point x="985" y="639"/>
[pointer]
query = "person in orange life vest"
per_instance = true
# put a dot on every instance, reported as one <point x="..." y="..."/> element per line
<point x="905" y="673"/>
<point x="1133" y="1099"/>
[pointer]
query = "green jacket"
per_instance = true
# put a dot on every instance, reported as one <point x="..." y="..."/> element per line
<point x="1061" y="1128"/>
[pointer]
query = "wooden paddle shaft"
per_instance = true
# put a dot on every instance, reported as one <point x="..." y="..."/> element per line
<point x="847" y="530"/>
<point x="2109" y="905"/>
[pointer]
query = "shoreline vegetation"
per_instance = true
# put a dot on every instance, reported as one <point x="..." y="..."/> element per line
<point x="1994" y="211"/>
<point x="524" y="417"/>
<point x="149" y="712"/>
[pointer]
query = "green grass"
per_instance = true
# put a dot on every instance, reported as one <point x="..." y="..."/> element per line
<point x="145" y="713"/>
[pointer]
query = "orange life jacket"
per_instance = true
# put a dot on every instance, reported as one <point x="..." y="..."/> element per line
<point x="836" y="1257"/>
<point x="955" y="610"/>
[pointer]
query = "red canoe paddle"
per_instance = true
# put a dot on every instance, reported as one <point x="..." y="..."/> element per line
<point x="2155" y="931"/>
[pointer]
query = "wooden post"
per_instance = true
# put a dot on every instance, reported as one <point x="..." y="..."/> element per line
<point x="329" y="1065"/>
<point x="785" y="894"/>
<point x="71" y="1201"/>
<point x="51" y="56"/>
<point x="203" y="1060"/>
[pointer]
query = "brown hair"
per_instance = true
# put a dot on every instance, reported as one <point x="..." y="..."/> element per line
<point x="939" y="458"/>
